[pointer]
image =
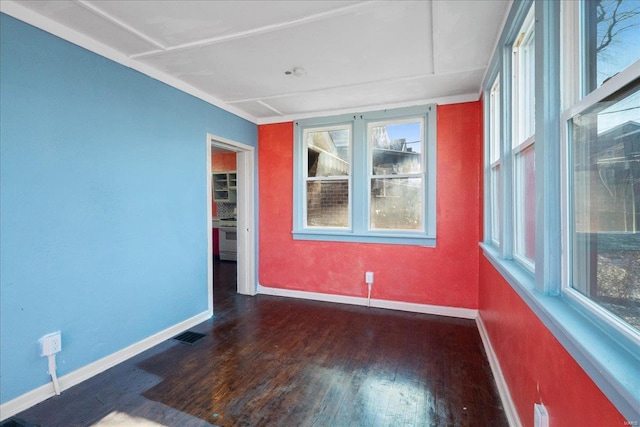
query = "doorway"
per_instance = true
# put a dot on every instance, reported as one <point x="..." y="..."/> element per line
<point x="246" y="223"/>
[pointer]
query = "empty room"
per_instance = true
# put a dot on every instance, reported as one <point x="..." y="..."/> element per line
<point x="320" y="213"/>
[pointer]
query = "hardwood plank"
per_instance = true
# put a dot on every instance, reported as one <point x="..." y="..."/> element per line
<point x="269" y="361"/>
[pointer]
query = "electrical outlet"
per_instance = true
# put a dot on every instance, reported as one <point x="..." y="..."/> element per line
<point x="368" y="277"/>
<point x="51" y="343"/>
<point x="540" y="416"/>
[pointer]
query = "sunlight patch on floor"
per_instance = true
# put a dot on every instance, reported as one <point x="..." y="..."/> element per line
<point x="122" y="419"/>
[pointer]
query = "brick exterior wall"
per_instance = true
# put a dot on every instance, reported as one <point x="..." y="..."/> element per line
<point x="328" y="203"/>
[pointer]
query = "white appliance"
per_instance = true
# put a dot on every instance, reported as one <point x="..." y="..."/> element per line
<point x="228" y="241"/>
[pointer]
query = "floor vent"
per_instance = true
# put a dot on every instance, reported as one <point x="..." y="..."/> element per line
<point x="188" y="337"/>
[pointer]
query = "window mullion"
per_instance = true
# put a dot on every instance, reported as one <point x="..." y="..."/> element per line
<point x="299" y="179"/>
<point x="548" y="256"/>
<point x="359" y="179"/>
<point x="506" y="174"/>
<point x="430" y="178"/>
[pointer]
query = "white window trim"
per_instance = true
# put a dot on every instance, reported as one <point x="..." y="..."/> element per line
<point x="523" y="89"/>
<point x="495" y="157"/>
<point x="360" y="180"/>
<point x="523" y="82"/>
<point x="519" y="203"/>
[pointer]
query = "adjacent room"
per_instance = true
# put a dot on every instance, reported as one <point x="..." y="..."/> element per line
<point x="221" y="213"/>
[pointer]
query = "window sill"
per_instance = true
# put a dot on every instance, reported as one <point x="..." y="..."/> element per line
<point x="613" y="366"/>
<point x="381" y="238"/>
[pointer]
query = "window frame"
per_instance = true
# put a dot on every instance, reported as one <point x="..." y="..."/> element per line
<point x="371" y="175"/>
<point x="523" y="93"/>
<point x="359" y="196"/>
<point x="606" y="355"/>
<point x="523" y="133"/>
<point x="594" y="310"/>
<point x="307" y="179"/>
<point x="578" y="98"/>
<point x="494" y="136"/>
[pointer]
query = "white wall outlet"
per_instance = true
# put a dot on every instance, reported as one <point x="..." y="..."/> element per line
<point x="51" y="343"/>
<point x="540" y="416"/>
<point x="368" y="277"/>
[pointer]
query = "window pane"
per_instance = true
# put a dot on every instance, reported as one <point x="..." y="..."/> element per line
<point x="328" y="203"/>
<point x="606" y="204"/>
<point x="396" y="147"/>
<point x="396" y="203"/>
<point x="524" y="81"/>
<point x="496" y="196"/>
<point x="525" y="203"/>
<point x="612" y="38"/>
<point x="494" y="121"/>
<point x="327" y="152"/>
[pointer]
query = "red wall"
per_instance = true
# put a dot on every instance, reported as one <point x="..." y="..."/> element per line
<point x="446" y="275"/>
<point x="535" y="365"/>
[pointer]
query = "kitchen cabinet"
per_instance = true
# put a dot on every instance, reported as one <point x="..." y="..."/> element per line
<point x="225" y="186"/>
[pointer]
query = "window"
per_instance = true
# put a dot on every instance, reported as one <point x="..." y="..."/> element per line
<point x="510" y="178"/>
<point x="367" y="178"/>
<point x="495" y="147"/>
<point x="605" y="209"/>
<point x="397" y="174"/>
<point x="523" y="137"/>
<point x="585" y="242"/>
<point x="603" y="152"/>
<point x="327" y="176"/>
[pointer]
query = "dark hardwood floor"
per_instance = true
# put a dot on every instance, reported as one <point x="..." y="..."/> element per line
<point x="269" y="361"/>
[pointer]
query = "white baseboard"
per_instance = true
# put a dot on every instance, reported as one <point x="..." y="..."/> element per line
<point x="46" y="391"/>
<point x="503" y="389"/>
<point x="465" y="313"/>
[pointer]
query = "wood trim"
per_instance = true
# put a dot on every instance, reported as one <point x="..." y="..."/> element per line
<point x="247" y="208"/>
<point x="503" y="388"/>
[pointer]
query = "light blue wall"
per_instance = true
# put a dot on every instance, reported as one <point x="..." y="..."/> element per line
<point x="103" y="204"/>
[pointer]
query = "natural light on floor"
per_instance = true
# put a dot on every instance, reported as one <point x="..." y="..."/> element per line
<point x="122" y="419"/>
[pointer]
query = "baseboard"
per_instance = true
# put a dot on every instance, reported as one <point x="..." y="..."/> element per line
<point x="503" y="389"/>
<point x="465" y="313"/>
<point x="46" y="391"/>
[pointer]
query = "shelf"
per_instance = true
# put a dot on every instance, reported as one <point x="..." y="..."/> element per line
<point x="224" y="186"/>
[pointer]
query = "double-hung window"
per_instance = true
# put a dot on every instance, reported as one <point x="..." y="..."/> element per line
<point x="397" y="174"/>
<point x="602" y="152"/>
<point x="367" y="177"/>
<point x="568" y="237"/>
<point x="327" y="172"/>
<point x="523" y="138"/>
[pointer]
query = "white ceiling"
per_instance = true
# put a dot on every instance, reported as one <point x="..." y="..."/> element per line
<point x="358" y="55"/>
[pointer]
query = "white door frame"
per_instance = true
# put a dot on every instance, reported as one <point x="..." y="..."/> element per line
<point x="246" y="214"/>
